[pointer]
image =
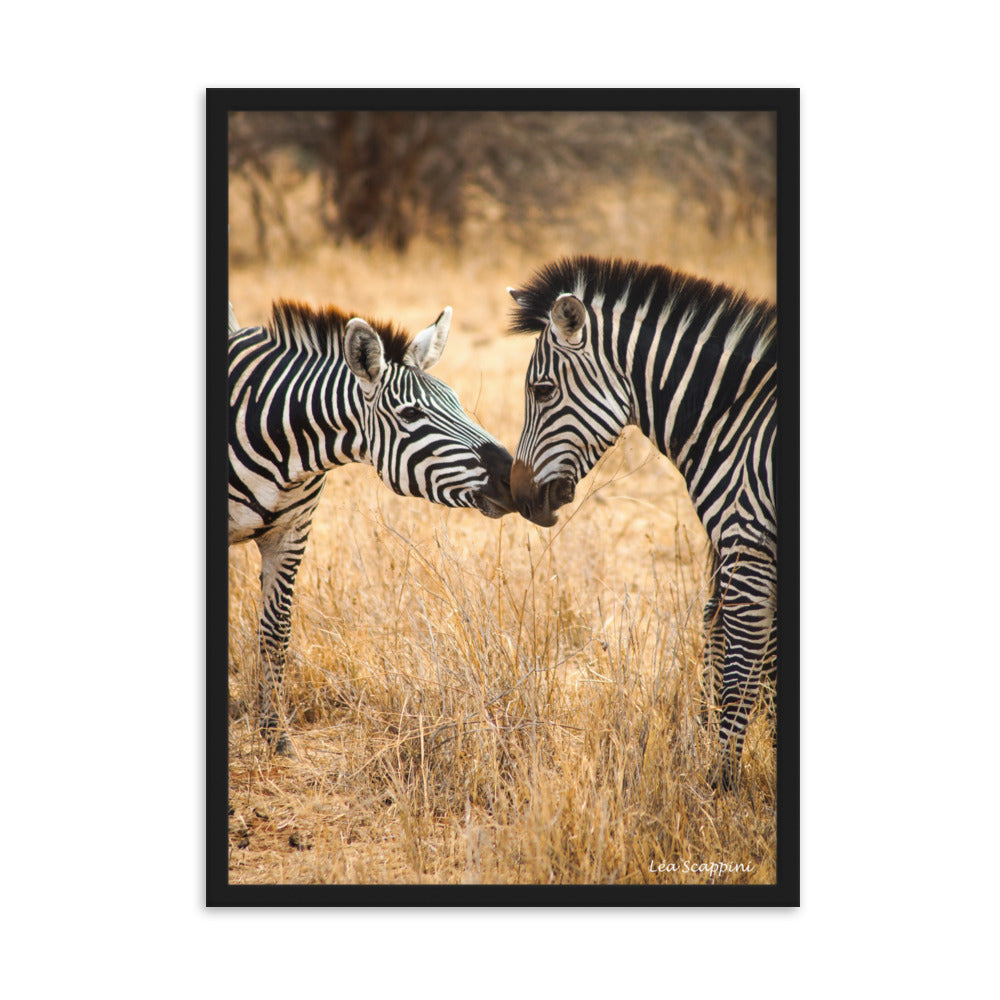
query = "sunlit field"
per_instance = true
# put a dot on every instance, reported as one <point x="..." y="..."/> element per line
<point x="479" y="701"/>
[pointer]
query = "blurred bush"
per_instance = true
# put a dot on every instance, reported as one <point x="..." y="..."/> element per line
<point x="387" y="176"/>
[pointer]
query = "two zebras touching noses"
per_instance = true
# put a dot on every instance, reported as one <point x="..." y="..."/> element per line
<point x="692" y="363"/>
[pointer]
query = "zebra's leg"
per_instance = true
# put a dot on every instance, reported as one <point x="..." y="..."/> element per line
<point x="748" y="609"/>
<point x="714" y="653"/>
<point x="281" y="553"/>
<point x="769" y="674"/>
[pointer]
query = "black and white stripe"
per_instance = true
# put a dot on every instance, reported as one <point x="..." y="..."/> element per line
<point x="313" y="390"/>
<point x="694" y="365"/>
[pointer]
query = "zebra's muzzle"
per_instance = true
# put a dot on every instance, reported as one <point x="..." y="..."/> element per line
<point x="538" y="504"/>
<point x="494" y="499"/>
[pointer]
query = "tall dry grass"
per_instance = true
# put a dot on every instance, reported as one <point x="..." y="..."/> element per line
<point x="489" y="701"/>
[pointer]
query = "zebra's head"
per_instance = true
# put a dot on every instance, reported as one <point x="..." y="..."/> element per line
<point x="576" y="406"/>
<point x="418" y="437"/>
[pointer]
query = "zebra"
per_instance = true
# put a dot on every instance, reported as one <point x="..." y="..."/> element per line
<point x="314" y="389"/>
<point x="693" y="364"/>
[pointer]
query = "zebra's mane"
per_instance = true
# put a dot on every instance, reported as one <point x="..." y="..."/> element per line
<point x="612" y="278"/>
<point x="318" y="328"/>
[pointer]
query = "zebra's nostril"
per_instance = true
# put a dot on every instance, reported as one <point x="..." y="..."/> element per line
<point x="524" y="509"/>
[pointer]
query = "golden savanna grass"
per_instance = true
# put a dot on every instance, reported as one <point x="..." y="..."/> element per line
<point x="488" y="701"/>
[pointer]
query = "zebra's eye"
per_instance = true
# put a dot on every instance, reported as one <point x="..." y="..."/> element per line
<point x="543" y="391"/>
<point x="411" y="414"/>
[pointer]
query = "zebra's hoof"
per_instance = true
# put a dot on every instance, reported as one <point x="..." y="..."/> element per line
<point x="722" y="777"/>
<point x="283" y="746"/>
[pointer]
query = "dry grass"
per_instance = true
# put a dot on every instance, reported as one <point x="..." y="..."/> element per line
<point x="488" y="701"/>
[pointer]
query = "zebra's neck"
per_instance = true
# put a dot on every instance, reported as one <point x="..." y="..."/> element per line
<point x="301" y="401"/>
<point x="327" y="404"/>
<point x="690" y="363"/>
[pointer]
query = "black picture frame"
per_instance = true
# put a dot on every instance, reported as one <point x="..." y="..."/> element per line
<point x="219" y="103"/>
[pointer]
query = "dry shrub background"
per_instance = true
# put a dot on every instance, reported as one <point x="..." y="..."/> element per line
<point x="489" y="701"/>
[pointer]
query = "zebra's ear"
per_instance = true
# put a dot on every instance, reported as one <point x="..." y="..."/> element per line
<point x="427" y="347"/>
<point x="567" y="317"/>
<point x="363" y="351"/>
<point x="518" y="296"/>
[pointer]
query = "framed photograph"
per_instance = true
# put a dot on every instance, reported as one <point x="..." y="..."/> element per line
<point x="492" y="493"/>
